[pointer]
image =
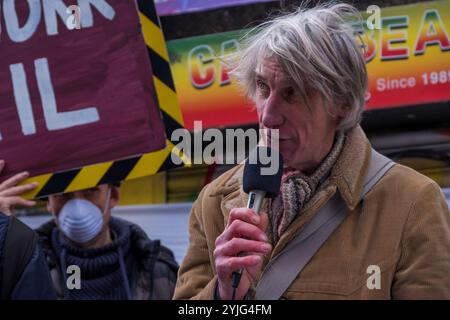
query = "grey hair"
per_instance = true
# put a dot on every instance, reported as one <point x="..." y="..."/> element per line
<point x="317" y="49"/>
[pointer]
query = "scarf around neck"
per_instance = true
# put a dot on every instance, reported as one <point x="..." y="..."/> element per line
<point x="297" y="189"/>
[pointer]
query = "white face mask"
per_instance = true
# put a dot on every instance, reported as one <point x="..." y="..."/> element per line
<point x="80" y="220"/>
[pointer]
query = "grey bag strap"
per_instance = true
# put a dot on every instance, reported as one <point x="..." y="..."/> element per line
<point x="284" y="268"/>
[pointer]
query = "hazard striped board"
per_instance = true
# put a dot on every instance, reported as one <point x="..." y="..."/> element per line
<point x="139" y="166"/>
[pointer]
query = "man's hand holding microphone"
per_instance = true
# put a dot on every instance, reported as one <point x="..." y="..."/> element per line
<point x="241" y="247"/>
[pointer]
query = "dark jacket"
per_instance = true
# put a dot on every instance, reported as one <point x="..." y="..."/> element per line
<point x="151" y="267"/>
<point x="33" y="279"/>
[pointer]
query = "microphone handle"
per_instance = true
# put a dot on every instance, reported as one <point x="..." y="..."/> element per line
<point x="255" y="200"/>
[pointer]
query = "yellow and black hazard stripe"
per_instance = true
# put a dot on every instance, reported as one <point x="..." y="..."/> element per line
<point x="139" y="166"/>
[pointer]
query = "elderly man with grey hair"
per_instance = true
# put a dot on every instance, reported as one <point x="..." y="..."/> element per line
<point x="348" y="223"/>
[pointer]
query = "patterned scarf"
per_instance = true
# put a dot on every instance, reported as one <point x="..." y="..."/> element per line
<point x="297" y="189"/>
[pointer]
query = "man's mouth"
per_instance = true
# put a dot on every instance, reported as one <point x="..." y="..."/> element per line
<point x="269" y="136"/>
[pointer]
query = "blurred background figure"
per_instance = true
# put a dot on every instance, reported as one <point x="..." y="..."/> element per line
<point x="116" y="259"/>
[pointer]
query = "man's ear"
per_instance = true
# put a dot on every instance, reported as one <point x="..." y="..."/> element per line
<point x="343" y="111"/>
<point x="115" y="196"/>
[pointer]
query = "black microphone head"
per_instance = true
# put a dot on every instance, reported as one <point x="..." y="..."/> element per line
<point x="262" y="171"/>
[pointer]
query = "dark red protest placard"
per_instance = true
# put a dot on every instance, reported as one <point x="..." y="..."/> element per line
<point x="70" y="98"/>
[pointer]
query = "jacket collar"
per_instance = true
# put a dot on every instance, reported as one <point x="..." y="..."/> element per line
<point x="350" y="170"/>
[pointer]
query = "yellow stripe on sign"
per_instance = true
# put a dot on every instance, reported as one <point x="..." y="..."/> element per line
<point x="149" y="163"/>
<point x="41" y="180"/>
<point x="168" y="100"/>
<point x="88" y="176"/>
<point x="154" y="37"/>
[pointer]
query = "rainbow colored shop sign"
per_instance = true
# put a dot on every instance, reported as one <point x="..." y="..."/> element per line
<point x="408" y="60"/>
<point x="170" y="7"/>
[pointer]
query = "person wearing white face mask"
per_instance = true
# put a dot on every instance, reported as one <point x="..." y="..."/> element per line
<point x="117" y="260"/>
<point x="80" y="220"/>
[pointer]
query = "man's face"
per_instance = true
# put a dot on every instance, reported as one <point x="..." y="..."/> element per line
<point x="306" y="136"/>
<point x="96" y="195"/>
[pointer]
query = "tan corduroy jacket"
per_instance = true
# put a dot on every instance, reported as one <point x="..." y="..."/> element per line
<point x="402" y="227"/>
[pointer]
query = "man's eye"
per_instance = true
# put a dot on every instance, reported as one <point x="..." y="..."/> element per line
<point x="261" y="85"/>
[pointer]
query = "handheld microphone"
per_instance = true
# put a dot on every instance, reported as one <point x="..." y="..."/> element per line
<point x="258" y="181"/>
<point x="261" y="179"/>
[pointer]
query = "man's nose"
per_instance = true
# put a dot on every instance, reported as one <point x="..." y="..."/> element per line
<point x="271" y="116"/>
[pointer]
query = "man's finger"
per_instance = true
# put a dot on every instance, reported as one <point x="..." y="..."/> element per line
<point x="241" y="229"/>
<point x="237" y="245"/>
<point x="18" y="201"/>
<point x="243" y="214"/>
<point x="14" y="180"/>
<point x="19" y="190"/>
<point x="2" y="165"/>
<point x="230" y="265"/>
